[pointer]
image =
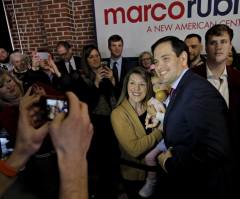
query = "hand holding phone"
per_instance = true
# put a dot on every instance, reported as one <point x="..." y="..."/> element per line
<point x="53" y="105"/>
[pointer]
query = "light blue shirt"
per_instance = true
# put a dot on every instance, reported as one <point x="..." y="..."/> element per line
<point x="119" y="64"/>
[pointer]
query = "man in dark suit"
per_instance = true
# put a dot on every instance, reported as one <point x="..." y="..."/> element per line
<point x="194" y="128"/>
<point x="227" y="81"/>
<point x="193" y="42"/>
<point x="68" y="62"/>
<point x="120" y="65"/>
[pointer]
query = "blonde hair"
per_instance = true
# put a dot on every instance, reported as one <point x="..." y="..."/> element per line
<point x="18" y="83"/>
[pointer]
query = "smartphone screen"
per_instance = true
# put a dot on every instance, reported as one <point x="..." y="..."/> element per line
<point x="42" y="55"/>
<point x="54" y="105"/>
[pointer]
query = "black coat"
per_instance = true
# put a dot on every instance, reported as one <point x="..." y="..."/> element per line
<point x="195" y="126"/>
<point x="62" y="68"/>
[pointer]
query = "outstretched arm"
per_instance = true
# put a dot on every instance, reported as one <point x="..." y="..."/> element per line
<point x="71" y="138"/>
<point x="28" y="141"/>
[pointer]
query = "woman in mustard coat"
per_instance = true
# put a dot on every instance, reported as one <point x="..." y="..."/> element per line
<point x="128" y="120"/>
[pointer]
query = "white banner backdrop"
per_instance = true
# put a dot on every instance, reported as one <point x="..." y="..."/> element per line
<point x="142" y="22"/>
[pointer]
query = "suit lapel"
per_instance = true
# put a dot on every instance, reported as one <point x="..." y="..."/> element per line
<point x="123" y="70"/>
<point x="63" y="67"/>
<point x="203" y="71"/>
<point x="173" y="99"/>
<point x="233" y="86"/>
<point x="169" y="108"/>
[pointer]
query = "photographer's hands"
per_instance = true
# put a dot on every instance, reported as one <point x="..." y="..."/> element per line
<point x="71" y="138"/>
<point x="68" y="132"/>
<point x="64" y="130"/>
<point x="28" y="139"/>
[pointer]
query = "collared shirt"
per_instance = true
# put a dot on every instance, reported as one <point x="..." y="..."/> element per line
<point x="221" y="83"/>
<point x="175" y="84"/>
<point x="72" y="64"/>
<point x="119" y="64"/>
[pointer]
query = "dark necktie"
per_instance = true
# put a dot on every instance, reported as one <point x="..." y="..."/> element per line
<point x="172" y="93"/>
<point x="70" y="67"/>
<point x="115" y="72"/>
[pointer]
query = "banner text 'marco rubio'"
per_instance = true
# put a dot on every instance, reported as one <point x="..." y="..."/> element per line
<point x="159" y="11"/>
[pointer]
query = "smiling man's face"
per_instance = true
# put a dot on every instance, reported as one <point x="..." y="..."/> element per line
<point x="168" y="65"/>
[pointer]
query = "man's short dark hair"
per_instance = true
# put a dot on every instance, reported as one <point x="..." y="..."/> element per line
<point x="5" y="48"/>
<point x="178" y="45"/>
<point x="192" y="36"/>
<point x="218" y="30"/>
<point x="65" y="44"/>
<point x="114" y="38"/>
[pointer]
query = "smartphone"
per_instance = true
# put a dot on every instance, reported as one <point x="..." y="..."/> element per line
<point x="52" y="105"/>
<point x="42" y="55"/>
<point x="104" y="63"/>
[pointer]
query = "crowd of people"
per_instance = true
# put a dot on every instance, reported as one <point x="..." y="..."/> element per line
<point x="166" y="125"/>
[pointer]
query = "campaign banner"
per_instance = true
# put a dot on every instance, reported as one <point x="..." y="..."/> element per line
<point x="142" y="22"/>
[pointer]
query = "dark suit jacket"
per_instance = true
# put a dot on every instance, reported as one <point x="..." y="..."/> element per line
<point x="62" y="68"/>
<point x="233" y="114"/>
<point x="233" y="83"/>
<point x="195" y="125"/>
<point x="234" y="93"/>
<point x="127" y="64"/>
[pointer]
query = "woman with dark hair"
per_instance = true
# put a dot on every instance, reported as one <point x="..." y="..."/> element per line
<point x="100" y="82"/>
<point x="128" y="121"/>
<point x="233" y="59"/>
<point x="94" y="70"/>
<point x="96" y="82"/>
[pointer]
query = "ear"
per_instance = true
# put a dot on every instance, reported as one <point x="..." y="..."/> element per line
<point x="184" y="59"/>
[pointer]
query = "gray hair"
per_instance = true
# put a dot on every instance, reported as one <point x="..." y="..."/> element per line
<point x="23" y="57"/>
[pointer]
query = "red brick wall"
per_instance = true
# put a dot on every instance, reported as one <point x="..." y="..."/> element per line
<point x="42" y="23"/>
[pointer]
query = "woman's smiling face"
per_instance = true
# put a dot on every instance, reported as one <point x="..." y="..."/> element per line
<point x="137" y="88"/>
<point x="9" y="88"/>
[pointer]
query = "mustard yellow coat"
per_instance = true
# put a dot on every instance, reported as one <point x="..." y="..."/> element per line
<point x="132" y="138"/>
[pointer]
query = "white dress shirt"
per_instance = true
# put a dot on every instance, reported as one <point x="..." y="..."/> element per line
<point x="72" y="64"/>
<point x="221" y="83"/>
